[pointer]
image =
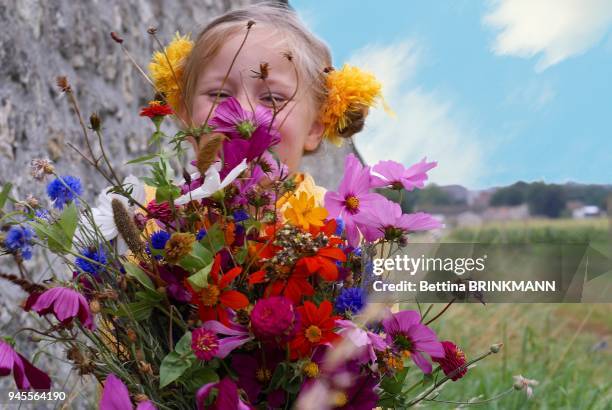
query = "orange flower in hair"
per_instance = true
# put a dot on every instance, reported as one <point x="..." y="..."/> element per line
<point x="350" y="91"/>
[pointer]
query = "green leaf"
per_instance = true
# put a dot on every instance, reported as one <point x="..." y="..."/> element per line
<point x="135" y="271"/>
<point x="139" y="310"/>
<point x="184" y="344"/>
<point x="394" y="385"/>
<point x="6" y="190"/>
<point x="68" y="223"/>
<point x="241" y="255"/>
<point x="177" y="362"/>
<point x="52" y="234"/>
<point x="149" y="296"/>
<point x="198" y="259"/>
<point x="214" y="239"/>
<point x="200" y="278"/>
<point x="196" y="376"/>
<point x="144" y="158"/>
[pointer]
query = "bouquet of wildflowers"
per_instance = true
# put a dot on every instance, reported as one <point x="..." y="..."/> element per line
<point x="236" y="286"/>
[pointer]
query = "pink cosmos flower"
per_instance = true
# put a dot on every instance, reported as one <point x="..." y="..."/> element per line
<point x="66" y="304"/>
<point x="250" y="134"/>
<point x="406" y="332"/>
<point x="353" y="201"/>
<point x="393" y="174"/>
<point x="387" y="221"/>
<point x="227" y="396"/>
<point x="366" y="342"/>
<point x="27" y="376"/>
<point x="237" y="336"/>
<point x="116" y="396"/>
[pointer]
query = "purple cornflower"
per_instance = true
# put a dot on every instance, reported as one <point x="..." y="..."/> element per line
<point x="350" y="300"/>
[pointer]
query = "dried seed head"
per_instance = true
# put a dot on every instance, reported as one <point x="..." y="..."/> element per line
<point x="328" y="69"/>
<point x="62" y="83"/>
<point x="126" y="227"/>
<point x="94" y="306"/>
<point x="131" y="335"/>
<point x="152" y="30"/>
<point x="263" y="73"/>
<point x="208" y="152"/>
<point x="288" y="55"/>
<point x="116" y="37"/>
<point x="140" y="397"/>
<point x="95" y="122"/>
<point x="145" y="368"/>
<point x="32" y="202"/>
<point x="40" y="168"/>
<point x="180" y="244"/>
<point x="250" y="24"/>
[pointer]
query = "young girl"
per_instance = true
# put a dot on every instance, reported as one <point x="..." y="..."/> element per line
<point x="279" y="64"/>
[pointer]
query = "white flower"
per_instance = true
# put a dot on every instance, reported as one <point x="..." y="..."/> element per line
<point x="521" y="383"/>
<point x="103" y="212"/>
<point x="212" y="182"/>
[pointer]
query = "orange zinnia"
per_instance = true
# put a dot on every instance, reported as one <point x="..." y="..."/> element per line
<point x="214" y="300"/>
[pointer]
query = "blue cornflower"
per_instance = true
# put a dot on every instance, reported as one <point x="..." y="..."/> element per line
<point x="96" y="254"/>
<point x="339" y="226"/>
<point x="159" y="239"/>
<point x="60" y="194"/>
<point x="350" y="300"/>
<point x="240" y="215"/>
<point x="19" y="238"/>
<point x="201" y="233"/>
<point x="43" y="214"/>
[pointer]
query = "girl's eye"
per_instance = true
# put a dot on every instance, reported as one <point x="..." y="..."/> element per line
<point x="271" y="99"/>
<point x="218" y="94"/>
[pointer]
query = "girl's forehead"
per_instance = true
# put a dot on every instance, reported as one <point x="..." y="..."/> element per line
<point x="261" y="47"/>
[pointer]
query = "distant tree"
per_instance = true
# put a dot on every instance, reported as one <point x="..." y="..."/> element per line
<point x="512" y="195"/>
<point x="544" y="199"/>
<point x="432" y="194"/>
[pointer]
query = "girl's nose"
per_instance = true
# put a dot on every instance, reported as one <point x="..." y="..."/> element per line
<point x="245" y="100"/>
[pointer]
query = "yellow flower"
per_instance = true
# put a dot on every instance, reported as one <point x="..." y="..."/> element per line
<point x="303" y="212"/>
<point x="180" y="244"/>
<point x="350" y="90"/>
<point x="162" y="73"/>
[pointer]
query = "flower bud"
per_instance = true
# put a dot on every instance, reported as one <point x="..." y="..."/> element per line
<point x="131" y="335"/>
<point x="495" y="348"/>
<point x="95" y="122"/>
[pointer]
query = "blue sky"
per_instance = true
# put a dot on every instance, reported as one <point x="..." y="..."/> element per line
<point x="495" y="91"/>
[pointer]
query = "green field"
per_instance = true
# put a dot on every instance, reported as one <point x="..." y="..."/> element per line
<point x="566" y="347"/>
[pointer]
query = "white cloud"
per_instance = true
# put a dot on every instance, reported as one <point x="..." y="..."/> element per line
<point x="535" y="95"/>
<point x="553" y="29"/>
<point x="424" y="123"/>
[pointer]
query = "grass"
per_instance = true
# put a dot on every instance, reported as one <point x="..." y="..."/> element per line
<point x="566" y="347"/>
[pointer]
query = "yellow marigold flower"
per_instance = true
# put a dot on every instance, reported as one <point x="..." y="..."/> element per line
<point x="305" y="183"/>
<point x="303" y="212"/>
<point x="162" y="73"/>
<point x="180" y="244"/>
<point x="350" y="90"/>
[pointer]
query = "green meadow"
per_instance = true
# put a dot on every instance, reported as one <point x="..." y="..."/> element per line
<point x="565" y="347"/>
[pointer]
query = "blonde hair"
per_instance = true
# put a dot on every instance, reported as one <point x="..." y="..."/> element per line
<point x="310" y="55"/>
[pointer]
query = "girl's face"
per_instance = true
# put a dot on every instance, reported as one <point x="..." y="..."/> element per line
<point x="301" y="129"/>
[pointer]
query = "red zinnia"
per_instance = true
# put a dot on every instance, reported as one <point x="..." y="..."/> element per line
<point x="156" y="109"/>
<point x="213" y="300"/>
<point x="453" y="359"/>
<point x="317" y="328"/>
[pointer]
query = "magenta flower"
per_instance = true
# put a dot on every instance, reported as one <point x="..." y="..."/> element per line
<point x="250" y="134"/>
<point x="405" y="332"/>
<point x="66" y="304"/>
<point x="237" y="336"/>
<point x="274" y="318"/>
<point x="116" y="396"/>
<point x="353" y="201"/>
<point x="27" y="376"/>
<point x="227" y="396"/>
<point x="393" y="174"/>
<point x="255" y="373"/>
<point x="387" y="221"/>
<point x="204" y="343"/>
<point x="365" y="341"/>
